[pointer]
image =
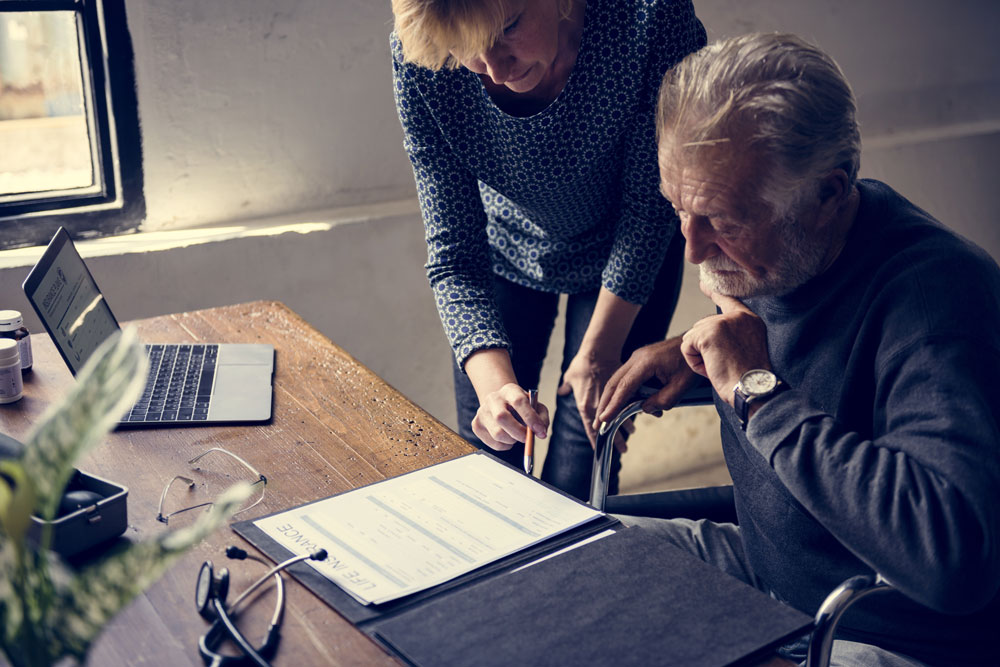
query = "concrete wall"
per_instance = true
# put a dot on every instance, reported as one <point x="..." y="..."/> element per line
<point x="360" y="282"/>
<point x="928" y="86"/>
<point x="252" y="109"/>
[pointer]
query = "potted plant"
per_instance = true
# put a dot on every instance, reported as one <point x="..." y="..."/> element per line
<point x="48" y="610"/>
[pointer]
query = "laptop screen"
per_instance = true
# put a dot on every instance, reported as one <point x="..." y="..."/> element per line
<point x="68" y="301"/>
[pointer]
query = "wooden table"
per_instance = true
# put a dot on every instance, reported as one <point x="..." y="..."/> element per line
<point x="336" y="426"/>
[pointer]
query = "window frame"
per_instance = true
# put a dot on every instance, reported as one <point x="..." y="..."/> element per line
<point x="118" y="205"/>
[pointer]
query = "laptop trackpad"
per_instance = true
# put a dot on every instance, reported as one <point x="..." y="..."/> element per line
<point x="241" y="393"/>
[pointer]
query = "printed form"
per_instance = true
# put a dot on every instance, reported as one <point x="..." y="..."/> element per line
<point x="426" y="527"/>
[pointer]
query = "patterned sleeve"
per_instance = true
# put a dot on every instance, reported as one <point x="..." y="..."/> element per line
<point x="458" y="256"/>
<point x="668" y="31"/>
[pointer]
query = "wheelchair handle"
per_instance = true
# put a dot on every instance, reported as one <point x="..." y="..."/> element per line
<point x="601" y="475"/>
<point x="604" y="447"/>
<point x="833" y="607"/>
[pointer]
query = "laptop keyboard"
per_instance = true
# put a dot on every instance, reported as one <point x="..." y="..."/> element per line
<point x="179" y="385"/>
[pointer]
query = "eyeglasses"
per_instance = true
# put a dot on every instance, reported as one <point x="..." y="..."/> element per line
<point x="261" y="480"/>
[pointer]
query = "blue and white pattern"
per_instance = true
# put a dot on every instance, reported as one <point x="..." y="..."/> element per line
<point x="562" y="201"/>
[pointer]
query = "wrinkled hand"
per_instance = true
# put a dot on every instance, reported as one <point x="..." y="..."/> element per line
<point x="723" y="347"/>
<point x="663" y="361"/>
<point x="585" y="378"/>
<point x="496" y="425"/>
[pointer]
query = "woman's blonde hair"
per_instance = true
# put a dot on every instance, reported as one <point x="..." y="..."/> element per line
<point x="440" y="33"/>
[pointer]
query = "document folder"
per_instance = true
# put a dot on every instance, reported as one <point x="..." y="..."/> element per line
<point x="626" y="598"/>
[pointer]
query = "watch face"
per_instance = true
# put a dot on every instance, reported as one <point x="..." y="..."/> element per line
<point x="757" y="382"/>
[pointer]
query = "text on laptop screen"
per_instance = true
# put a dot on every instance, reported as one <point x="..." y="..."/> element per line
<point x="73" y="308"/>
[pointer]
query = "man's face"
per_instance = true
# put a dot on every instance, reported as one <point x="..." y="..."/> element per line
<point x="522" y="58"/>
<point x="731" y="234"/>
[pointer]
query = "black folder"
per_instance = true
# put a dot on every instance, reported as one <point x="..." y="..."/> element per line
<point x="629" y="598"/>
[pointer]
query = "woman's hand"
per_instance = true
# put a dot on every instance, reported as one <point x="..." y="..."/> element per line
<point x="495" y="422"/>
<point x="599" y="357"/>
<point x="585" y="377"/>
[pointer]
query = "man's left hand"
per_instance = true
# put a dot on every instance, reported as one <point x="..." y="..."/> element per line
<point x="723" y="347"/>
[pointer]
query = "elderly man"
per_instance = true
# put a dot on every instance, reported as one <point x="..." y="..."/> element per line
<point x="855" y="360"/>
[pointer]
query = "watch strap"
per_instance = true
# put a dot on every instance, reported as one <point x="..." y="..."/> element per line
<point x="742" y="401"/>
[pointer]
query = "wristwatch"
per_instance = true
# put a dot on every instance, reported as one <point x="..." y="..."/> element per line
<point x="754" y="385"/>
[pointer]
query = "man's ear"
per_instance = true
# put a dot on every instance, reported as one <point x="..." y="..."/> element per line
<point x="833" y="190"/>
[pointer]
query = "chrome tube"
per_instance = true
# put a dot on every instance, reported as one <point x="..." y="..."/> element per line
<point x="602" y="454"/>
<point x="828" y="616"/>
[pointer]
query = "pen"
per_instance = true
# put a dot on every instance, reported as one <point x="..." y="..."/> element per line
<point x="529" y="439"/>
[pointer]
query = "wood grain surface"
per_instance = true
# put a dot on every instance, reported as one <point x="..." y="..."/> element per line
<point x="336" y="426"/>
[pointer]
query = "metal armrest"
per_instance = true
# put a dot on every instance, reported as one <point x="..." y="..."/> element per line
<point x="828" y="616"/>
<point x="712" y="503"/>
<point x="601" y="475"/>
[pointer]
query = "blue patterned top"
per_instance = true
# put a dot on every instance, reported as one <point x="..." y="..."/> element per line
<point x="561" y="201"/>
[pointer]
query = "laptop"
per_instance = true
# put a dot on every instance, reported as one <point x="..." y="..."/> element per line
<point x="188" y="384"/>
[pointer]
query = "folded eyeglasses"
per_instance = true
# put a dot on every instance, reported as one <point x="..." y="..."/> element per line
<point x="261" y="483"/>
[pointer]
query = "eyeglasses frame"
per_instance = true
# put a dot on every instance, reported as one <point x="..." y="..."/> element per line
<point x="261" y="479"/>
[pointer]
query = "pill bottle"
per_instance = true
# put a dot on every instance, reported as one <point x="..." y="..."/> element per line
<point x="11" y="384"/>
<point x="12" y="326"/>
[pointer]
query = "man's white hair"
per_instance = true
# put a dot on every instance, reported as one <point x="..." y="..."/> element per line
<point x="773" y="94"/>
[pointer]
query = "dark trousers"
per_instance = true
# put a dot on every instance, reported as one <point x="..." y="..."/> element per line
<point x="529" y="316"/>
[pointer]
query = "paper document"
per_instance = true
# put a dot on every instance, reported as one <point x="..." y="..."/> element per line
<point x="426" y="527"/>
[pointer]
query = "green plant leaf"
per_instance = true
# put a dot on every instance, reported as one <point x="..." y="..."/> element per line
<point x="96" y="594"/>
<point x="16" y="502"/>
<point x="10" y="612"/>
<point x="26" y="603"/>
<point x="108" y="384"/>
<point x="47" y="611"/>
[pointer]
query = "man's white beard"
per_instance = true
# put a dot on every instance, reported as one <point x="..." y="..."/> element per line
<point x="799" y="260"/>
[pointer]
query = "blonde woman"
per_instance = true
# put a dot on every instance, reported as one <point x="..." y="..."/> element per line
<point x="530" y="127"/>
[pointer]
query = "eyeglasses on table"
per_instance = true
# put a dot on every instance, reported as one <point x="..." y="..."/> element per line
<point x="261" y="483"/>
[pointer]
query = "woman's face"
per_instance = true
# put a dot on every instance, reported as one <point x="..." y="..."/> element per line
<point x="523" y="56"/>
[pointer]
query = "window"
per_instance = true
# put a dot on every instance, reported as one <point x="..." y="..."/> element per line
<point x="70" y="150"/>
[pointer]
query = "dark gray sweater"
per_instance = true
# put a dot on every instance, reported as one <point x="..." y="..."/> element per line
<point x="885" y="454"/>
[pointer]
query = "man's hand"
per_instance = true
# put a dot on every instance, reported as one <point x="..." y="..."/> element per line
<point x="723" y="347"/>
<point x="495" y="423"/>
<point x="662" y="361"/>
